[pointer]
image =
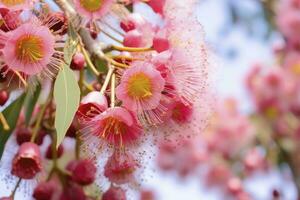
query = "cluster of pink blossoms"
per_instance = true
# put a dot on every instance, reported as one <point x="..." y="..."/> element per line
<point x="238" y="146"/>
<point x="151" y="84"/>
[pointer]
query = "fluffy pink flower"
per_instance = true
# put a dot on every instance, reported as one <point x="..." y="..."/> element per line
<point x="288" y="19"/>
<point x="120" y="167"/>
<point x="116" y="125"/>
<point x="30" y="49"/>
<point x="141" y="87"/>
<point x="93" y="9"/>
<point x="16" y="4"/>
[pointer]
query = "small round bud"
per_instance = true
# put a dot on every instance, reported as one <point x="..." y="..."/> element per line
<point x="27" y="162"/>
<point x="84" y="172"/>
<point x="133" y="38"/>
<point x="4" y="96"/>
<point x="23" y="135"/>
<point x="78" y="62"/>
<point x="114" y="193"/>
<point x="72" y="192"/>
<point x="59" y="152"/>
<point x="44" y="190"/>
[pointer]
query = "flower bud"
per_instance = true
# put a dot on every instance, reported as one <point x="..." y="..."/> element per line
<point x="73" y="192"/>
<point x="27" y="162"/>
<point x="59" y="152"/>
<point x="133" y="38"/>
<point x="92" y="104"/>
<point x="114" y="193"/>
<point x="78" y="62"/>
<point x="44" y="190"/>
<point x="23" y="135"/>
<point x="132" y="22"/>
<point x="157" y="5"/>
<point x="84" y="172"/>
<point x="4" y="96"/>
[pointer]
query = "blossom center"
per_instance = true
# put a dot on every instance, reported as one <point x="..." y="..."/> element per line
<point x="113" y="126"/>
<point x="12" y="2"/>
<point x="91" y="5"/>
<point x="29" y="49"/>
<point x="139" y="86"/>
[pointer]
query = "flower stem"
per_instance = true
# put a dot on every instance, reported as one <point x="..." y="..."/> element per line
<point x="111" y="37"/>
<point x="4" y="122"/>
<point x="40" y="116"/>
<point x="88" y="60"/>
<point x="113" y="90"/>
<point x="131" y="49"/>
<point x="107" y="79"/>
<point x="21" y="78"/>
<point x="15" y="189"/>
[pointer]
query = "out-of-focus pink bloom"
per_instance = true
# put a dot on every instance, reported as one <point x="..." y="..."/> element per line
<point x="120" y="167"/>
<point x="288" y="19"/>
<point x="147" y="195"/>
<point x="93" y="10"/>
<point x="183" y="158"/>
<point x="218" y="175"/>
<point x="236" y="129"/>
<point x="255" y="161"/>
<point x="272" y="91"/>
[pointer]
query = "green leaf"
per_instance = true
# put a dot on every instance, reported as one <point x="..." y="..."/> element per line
<point x="11" y="114"/>
<point x="30" y="102"/>
<point x="67" y="97"/>
<point x="70" y="45"/>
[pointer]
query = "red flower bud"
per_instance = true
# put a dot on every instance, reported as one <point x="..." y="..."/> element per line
<point x="4" y="96"/>
<point x="84" y="172"/>
<point x="114" y="193"/>
<point x="23" y="135"/>
<point x="27" y="162"/>
<point x="59" y="152"/>
<point x="73" y="192"/>
<point x="78" y="62"/>
<point x="44" y="190"/>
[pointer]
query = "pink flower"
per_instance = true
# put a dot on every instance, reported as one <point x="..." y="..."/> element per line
<point x="116" y="125"/>
<point x="236" y="129"/>
<point x="141" y="87"/>
<point x="183" y="158"/>
<point x="120" y="167"/>
<point x="288" y="19"/>
<point x="17" y="4"/>
<point x="27" y="162"/>
<point x="30" y="49"/>
<point x="93" y="9"/>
